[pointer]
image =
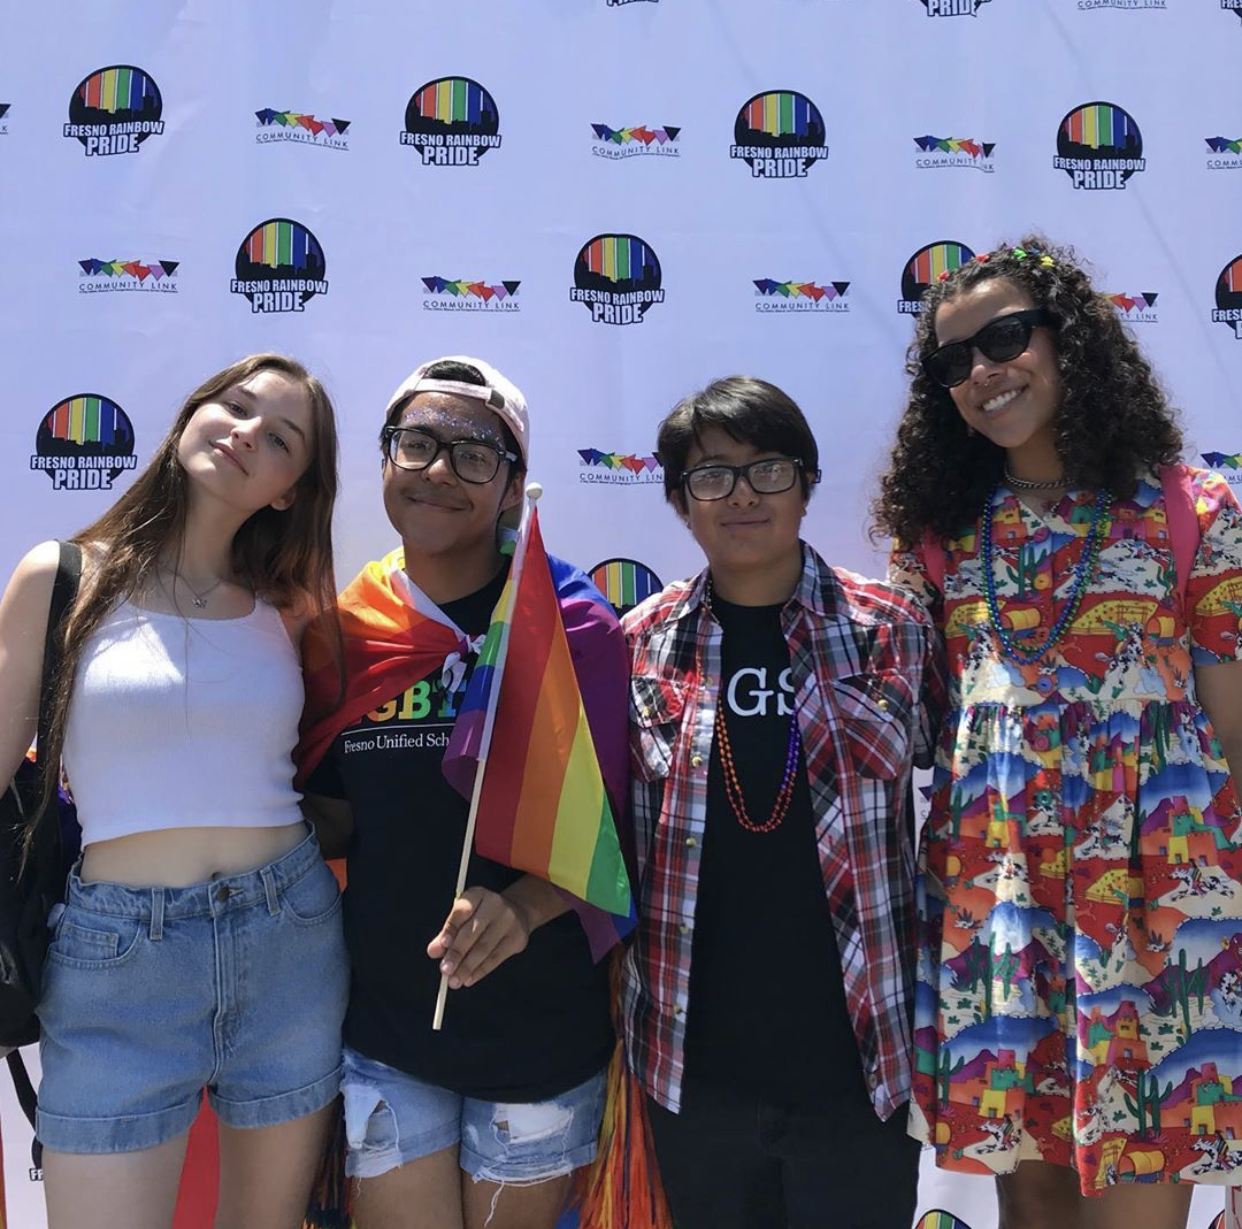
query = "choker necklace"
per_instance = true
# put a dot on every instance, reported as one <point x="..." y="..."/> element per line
<point x="1084" y="571"/>
<point x="733" y="787"/>
<point x="198" y="596"/>
<point x="1024" y="484"/>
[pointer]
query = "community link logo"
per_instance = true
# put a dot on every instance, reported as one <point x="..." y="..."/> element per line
<point x="779" y="135"/>
<point x="1225" y="154"/>
<point x="1135" y="308"/>
<point x="1099" y="147"/>
<point x="280" y="267"/>
<point x="84" y="443"/>
<point x="641" y="142"/>
<point x="953" y="8"/>
<point x="788" y="297"/>
<point x="625" y="583"/>
<point x="924" y="267"/>
<point x="617" y="278"/>
<point x="300" y="128"/>
<point x="452" y="121"/>
<point x="618" y="468"/>
<point x="442" y="295"/>
<point x="142" y="276"/>
<point x="1227" y="464"/>
<point x="1229" y="297"/>
<point x="964" y="153"/>
<point x="114" y="110"/>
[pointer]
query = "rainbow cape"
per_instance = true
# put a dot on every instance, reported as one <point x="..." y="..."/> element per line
<point x="393" y="635"/>
<point x="523" y="743"/>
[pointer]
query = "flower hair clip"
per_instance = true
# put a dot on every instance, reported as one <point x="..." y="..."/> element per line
<point x="943" y="275"/>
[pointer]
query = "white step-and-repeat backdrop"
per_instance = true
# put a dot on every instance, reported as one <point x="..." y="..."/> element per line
<point x="613" y="200"/>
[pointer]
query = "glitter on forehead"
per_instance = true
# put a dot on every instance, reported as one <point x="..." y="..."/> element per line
<point x="450" y="422"/>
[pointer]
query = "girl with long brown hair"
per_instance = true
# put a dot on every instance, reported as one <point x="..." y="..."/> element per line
<point x="199" y="943"/>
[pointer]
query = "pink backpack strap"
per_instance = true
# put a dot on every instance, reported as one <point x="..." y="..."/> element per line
<point x="1183" y="521"/>
<point x="934" y="559"/>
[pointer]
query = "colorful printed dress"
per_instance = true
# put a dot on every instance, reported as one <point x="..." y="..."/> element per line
<point x="1079" y="994"/>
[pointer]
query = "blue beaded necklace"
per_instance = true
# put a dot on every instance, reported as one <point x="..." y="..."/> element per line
<point x="1084" y="570"/>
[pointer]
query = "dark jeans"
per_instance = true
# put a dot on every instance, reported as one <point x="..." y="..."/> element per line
<point x="731" y="1162"/>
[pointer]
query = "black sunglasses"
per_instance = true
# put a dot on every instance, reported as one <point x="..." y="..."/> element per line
<point x="999" y="340"/>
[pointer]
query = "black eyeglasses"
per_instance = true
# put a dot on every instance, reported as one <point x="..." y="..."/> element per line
<point x="999" y="340"/>
<point x="472" y="460"/>
<point x="770" y="476"/>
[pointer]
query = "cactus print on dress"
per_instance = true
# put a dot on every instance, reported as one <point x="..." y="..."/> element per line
<point x="1079" y="994"/>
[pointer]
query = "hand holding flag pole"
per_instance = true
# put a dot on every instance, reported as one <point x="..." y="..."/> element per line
<point x="505" y="613"/>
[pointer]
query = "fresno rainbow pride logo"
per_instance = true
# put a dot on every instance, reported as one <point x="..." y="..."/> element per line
<point x="1135" y="308"/>
<point x="779" y="135"/>
<point x="625" y="583"/>
<point x="617" y="468"/>
<point x="940" y="1219"/>
<point x="924" y="267"/>
<point x="4" y="118"/>
<point x="617" y="278"/>
<point x="953" y="8"/>
<point x="1229" y="297"/>
<point x="644" y="141"/>
<point x="144" y="276"/>
<point x="955" y="152"/>
<point x="441" y="294"/>
<point x="280" y="267"/>
<point x="114" y="110"/>
<point x="1099" y="146"/>
<point x="84" y="443"/>
<point x="786" y="297"/>
<point x="300" y="127"/>
<point x="452" y="121"/>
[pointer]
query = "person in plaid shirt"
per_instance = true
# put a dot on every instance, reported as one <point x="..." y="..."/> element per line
<point x="777" y="705"/>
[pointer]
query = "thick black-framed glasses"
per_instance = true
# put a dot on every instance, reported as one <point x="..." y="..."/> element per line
<point x="769" y="476"/>
<point x="472" y="460"/>
<point x="999" y="340"/>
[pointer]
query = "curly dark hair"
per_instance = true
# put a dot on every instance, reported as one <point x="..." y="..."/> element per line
<point x="1115" y="419"/>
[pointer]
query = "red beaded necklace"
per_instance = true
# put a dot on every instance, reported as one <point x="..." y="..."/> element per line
<point x="733" y="787"/>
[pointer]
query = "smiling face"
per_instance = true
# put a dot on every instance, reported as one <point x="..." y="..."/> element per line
<point x="435" y="511"/>
<point x="744" y="531"/>
<point x="1015" y="403"/>
<point x="249" y="445"/>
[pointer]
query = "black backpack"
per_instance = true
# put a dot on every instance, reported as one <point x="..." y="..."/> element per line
<point x="29" y="889"/>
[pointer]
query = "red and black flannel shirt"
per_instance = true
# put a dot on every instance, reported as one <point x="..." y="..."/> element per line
<point x="869" y="684"/>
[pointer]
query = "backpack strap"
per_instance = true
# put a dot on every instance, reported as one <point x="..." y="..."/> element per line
<point x="22" y="1085"/>
<point x="45" y="845"/>
<point x="1183" y="521"/>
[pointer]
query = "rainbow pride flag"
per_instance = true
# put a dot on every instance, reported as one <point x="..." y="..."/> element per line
<point x="542" y="805"/>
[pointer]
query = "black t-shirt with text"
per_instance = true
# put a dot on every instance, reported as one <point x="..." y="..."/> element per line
<point x="532" y="1028"/>
<point x="767" y="1010"/>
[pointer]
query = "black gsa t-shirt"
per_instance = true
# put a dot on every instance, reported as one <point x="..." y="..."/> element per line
<point x="532" y="1028"/>
<point x="767" y="1008"/>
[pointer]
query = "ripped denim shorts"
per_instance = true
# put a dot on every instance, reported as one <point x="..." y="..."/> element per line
<point x="392" y="1118"/>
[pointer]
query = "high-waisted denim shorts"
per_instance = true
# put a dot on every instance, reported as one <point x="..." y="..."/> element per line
<point x="238" y="985"/>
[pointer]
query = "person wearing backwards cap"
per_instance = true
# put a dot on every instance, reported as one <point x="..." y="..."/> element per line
<point x="511" y="1090"/>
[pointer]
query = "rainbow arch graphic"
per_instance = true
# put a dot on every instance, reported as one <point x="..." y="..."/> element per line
<point x="1100" y="125"/>
<point x="453" y="100"/>
<point x="281" y="243"/>
<point x="927" y="265"/>
<point x="624" y="582"/>
<point x="118" y="89"/>
<point x="619" y="258"/>
<point x="781" y="113"/>
<point x="89" y="420"/>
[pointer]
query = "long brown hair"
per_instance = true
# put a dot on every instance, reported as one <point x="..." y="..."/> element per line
<point x="284" y="555"/>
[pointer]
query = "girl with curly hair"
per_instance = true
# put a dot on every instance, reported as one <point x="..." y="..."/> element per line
<point x="1078" y="1021"/>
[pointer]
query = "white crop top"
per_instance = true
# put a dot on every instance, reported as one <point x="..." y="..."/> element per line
<point x="184" y="723"/>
